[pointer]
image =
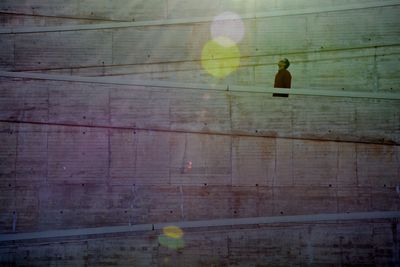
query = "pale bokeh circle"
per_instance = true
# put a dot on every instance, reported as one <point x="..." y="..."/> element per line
<point x="229" y="25"/>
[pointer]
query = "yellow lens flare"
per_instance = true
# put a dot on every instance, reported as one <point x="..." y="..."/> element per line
<point x="220" y="60"/>
<point x="173" y="232"/>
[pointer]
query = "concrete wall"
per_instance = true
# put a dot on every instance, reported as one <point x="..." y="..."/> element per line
<point x="333" y="244"/>
<point x="90" y="155"/>
<point x="353" y="49"/>
<point x="97" y="154"/>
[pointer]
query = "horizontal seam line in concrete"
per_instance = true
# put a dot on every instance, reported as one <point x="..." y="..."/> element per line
<point x="195" y="132"/>
<point x="190" y="86"/>
<point x="196" y="20"/>
<point x="61" y="17"/>
<point x="203" y="223"/>
<point x="251" y="57"/>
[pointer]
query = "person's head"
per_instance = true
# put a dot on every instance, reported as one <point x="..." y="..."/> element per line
<point x="283" y="64"/>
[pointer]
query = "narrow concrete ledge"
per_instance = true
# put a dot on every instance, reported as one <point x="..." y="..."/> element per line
<point x="203" y="223"/>
<point x="174" y="85"/>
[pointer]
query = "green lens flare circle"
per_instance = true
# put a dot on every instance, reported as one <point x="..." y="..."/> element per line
<point x="170" y="242"/>
<point x="220" y="60"/>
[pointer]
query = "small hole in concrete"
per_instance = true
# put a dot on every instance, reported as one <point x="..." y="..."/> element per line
<point x="235" y="211"/>
<point x="205" y="184"/>
<point x="126" y="211"/>
<point x="61" y="212"/>
<point x="84" y="117"/>
<point x="281" y="212"/>
<point x="84" y="132"/>
<point x="13" y="212"/>
<point x="256" y="184"/>
<point x="9" y="185"/>
<point x="330" y="185"/>
<point x="256" y="131"/>
<point x="83" y="184"/>
<point x="171" y="211"/>
<point x="384" y="185"/>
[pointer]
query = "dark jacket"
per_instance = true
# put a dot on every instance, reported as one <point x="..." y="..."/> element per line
<point x="283" y="79"/>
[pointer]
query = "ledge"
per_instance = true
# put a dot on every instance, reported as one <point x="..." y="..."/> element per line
<point x="205" y="223"/>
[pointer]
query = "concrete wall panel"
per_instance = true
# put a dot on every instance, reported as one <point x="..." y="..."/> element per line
<point x="139" y="107"/>
<point x="315" y="163"/>
<point x="200" y="111"/>
<point x="253" y="161"/>
<point x="156" y="204"/>
<point x="151" y="44"/>
<point x="77" y="155"/>
<point x="123" y="155"/>
<point x="7" y="52"/>
<point x="31" y="162"/>
<point x="377" y="173"/>
<point x="376" y="113"/>
<point x="123" y="10"/>
<point x="304" y="200"/>
<point x="28" y="102"/>
<point x="347" y="165"/>
<point x="200" y="159"/>
<point x="368" y="26"/>
<point x="351" y="199"/>
<point x="331" y="117"/>
<point x="83" y="205"/>
<point x="7" y="201"/>
<point x="284" y="163"/>
<point x="70" y="104"/>
<point x="39" y="7"/>
<point x="276" y="36"/>
<point x="152" y="163"/>
<point x="260" y="116"/>
<point x="63" y="49"/>
<point x="8" y="153"/>
<point x="387" y="68"/>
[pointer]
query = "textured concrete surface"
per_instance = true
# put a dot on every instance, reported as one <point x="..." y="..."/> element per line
<point x="324" y="50"/>
<point x="328" y="244"/>
<point x="76" y="154"/>
<point x="61" y="171"/>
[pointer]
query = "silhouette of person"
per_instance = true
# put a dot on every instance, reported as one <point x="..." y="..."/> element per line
<point x="283" y="78"/>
